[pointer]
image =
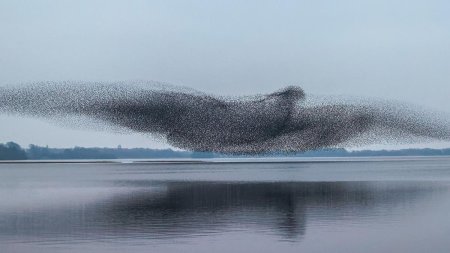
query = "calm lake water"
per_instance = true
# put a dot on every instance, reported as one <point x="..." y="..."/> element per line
<point x="356" y="205"/>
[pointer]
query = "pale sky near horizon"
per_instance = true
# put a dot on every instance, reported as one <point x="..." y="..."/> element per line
<point x="376" y="49"/>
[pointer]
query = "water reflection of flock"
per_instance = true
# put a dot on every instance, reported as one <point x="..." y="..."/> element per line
<point x="188" y="209"/>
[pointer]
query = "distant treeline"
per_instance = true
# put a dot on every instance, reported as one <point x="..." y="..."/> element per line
<point x="12" y="151"/>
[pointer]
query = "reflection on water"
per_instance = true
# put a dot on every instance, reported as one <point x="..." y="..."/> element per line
<point x="189" y="208"/>
<point x="121" y="213"/>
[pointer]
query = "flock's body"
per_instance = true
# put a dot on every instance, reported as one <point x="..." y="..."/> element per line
<point x="281" y="121"/>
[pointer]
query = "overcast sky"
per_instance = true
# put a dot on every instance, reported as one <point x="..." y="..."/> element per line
<point x="377" y="49"/>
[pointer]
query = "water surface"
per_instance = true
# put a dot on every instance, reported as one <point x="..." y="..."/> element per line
<point x="351" y="205"/>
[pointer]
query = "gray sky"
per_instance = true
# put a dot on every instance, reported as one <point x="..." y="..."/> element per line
<point x="375" y="48"/>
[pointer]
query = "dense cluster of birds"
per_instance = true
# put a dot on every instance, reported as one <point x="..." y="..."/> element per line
<point x="283" y="121"/>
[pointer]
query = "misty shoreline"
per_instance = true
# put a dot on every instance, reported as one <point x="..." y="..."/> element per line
<point x="14" y="152"/>
<point x="263" y="160"/>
